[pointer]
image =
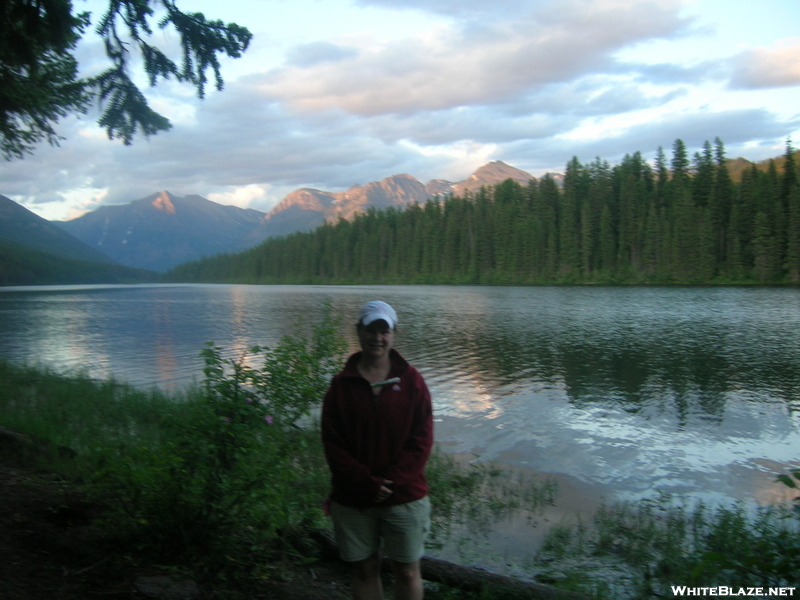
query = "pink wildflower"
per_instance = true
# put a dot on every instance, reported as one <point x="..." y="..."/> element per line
<point x="268" y="419"/>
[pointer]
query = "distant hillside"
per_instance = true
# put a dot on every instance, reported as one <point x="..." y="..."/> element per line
<point x="20" y="226"/>
<point x="163" y="230"/>
<point x="23" y="266"/>
<point x="603" y="226"/>
<point x="306" y="209"/>
<point x="489" y="175"/>
<point x="737" y="166"/>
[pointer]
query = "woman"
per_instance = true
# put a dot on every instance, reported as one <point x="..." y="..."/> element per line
<point x="377" y="430"/>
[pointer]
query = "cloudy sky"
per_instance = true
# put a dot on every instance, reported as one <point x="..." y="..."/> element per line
<point x="337" y="92"/>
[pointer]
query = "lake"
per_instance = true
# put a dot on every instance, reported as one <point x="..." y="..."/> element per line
<point x="618" y="392"/>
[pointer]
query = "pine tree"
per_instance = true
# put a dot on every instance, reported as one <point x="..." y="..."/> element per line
<point x="793" y="235"/>
<point x="680" y="164"/>
<point x="651" y="242"/>
<point x="706" y="265"/>
<point x="720" y="206"/>
<point x="772" y="204"/>
<point x="662" y="176"/>
<point x="790" y="195"/>
<point x="708" y="253"/>
<point x="748" y="205"/>
<point x="789" y="172"/>
<point x="432" y="226"/>
<point x="703" y="180"/>
<point x="568" y="220"/>
<point x="550" y="198"/>
<point x="39" y="81"/>
<point x="589" y="241"/>
<point x="608" y="250"/>
<point x="38" y="72"/>
<point x="632" y="198"/>
<point x="684" y="252"/>
<point x="764" y="249"/>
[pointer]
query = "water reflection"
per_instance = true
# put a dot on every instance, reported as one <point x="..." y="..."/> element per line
<point x="686" y="354"/>
<point x="683" y="389"/>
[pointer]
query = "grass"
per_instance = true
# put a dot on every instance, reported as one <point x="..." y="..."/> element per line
<point x="468" y="499"/>
<point x="74" y="412"/>
<point x="640" y="549"/>
<point x="201" y="478"/>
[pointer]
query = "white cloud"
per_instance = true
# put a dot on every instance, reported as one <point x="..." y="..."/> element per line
<point x="753" y="129"/>
<point x="315" y="53"/>
<point x="458" y="8"/>
<point x="243" y="197"/>
<point x="778" y="66"/>
<point x="459" y="65"/>
<point x="338" y="93"/>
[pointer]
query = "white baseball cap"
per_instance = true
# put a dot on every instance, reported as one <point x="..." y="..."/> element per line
<point x="377" y="309"/>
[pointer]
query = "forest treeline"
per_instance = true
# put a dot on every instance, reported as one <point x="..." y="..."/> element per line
<point x="682" y="221"/>
<point x="25" y="266"/>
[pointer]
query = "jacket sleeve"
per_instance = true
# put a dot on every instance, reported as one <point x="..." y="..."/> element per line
<point x="417" y="449"/>
<point x="345" y="469"/>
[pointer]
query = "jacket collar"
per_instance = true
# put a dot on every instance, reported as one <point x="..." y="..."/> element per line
<point x="397" y="368"/>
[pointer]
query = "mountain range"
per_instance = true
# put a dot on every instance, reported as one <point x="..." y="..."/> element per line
<point x="134" y="241"/>
<point x="163" y="230"/>
<point x="20" y="226"/>
<point x="307" y="208"/>
<point x="35" y="251"/>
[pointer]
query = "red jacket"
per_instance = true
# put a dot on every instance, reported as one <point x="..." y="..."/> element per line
<point x="370" y="438"/>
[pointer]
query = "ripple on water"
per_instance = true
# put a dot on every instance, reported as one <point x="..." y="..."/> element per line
<point x="631" y="388"/>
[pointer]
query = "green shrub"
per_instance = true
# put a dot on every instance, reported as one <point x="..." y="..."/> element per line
<point x="232" y="470"/>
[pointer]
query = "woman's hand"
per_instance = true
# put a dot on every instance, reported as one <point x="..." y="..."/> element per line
<point x="384" y="492"/>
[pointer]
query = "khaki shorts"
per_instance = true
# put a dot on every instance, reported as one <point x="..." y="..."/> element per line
<point x="400" y="529"/>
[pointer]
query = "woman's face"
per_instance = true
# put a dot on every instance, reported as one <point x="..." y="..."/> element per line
<point x="376" y="339"/>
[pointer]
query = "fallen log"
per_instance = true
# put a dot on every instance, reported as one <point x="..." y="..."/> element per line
<point x="23" y="445"/>
<point x="13" y="443"/>
<point x="470" y="579"/>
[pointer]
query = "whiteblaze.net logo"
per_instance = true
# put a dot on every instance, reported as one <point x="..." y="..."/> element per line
<point x="724" y="590"/>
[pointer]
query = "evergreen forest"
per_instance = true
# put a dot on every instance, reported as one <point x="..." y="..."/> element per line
<point x="682" y="221"/>
<point x="25" y="266"/>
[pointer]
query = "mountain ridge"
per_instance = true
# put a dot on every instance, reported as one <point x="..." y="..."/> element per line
<point x="34" y="251"/>
<point x="22" y="227"/>
<point x="162" y="230"/>
<point x="309" y="208"/>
